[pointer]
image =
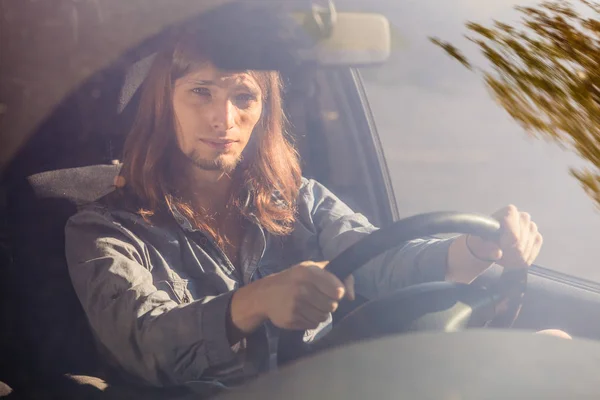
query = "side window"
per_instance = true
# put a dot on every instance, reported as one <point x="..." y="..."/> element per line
<point x="449" y="146"/>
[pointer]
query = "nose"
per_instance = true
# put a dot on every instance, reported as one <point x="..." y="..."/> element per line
<point x="223" y="118"/>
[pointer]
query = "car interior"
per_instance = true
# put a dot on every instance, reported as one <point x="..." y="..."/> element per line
<point x="73" y="157"/>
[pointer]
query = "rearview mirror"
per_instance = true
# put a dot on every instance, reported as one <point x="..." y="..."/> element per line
<point x="356" y="39"/>
<point x="245" y="36"/>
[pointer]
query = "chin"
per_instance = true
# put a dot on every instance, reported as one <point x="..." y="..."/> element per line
<point x="230" y="164"/>
<point x="226" y="162"/>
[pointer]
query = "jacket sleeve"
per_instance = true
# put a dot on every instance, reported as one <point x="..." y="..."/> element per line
<point x="145" y="332"/>
<point x="338" y="227"/>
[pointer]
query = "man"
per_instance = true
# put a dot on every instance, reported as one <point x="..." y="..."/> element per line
<point x="213" y="241"/>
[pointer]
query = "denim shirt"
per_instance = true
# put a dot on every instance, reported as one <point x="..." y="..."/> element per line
<point x="156" y="295"/>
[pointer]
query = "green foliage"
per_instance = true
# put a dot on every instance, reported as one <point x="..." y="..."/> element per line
<point x="545" y="73"/>
<point x="453" y="51"/>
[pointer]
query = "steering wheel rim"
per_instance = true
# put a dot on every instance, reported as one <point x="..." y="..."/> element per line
<point x="506" y="296"/>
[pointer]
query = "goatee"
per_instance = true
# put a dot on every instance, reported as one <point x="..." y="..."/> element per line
<point x="218" y="164"/>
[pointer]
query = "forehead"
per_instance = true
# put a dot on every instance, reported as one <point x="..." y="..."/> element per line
<point x="207" y="73"/>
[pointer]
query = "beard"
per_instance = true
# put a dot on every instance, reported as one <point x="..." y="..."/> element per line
<point x="221" y="163"/>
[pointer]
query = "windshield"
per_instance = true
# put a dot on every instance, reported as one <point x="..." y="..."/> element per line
<point x="193" y="225"/>
<point x="450" y="146"/>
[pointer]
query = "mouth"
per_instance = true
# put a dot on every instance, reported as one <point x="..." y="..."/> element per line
<point x="219" y="144"/>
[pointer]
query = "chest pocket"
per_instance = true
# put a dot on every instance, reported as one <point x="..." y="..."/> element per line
<point x="176" y="289"/>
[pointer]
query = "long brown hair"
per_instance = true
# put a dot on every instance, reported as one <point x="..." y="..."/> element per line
<point x="270" y="168"/>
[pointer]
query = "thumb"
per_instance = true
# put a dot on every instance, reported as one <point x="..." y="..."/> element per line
<point x="321" y="264"/>
<point x="484" y="249"/>
<point x="349" y="284"/>
<point x="499" y="255"/>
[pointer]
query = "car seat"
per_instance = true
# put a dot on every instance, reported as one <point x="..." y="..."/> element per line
<point x="55" y="344"/>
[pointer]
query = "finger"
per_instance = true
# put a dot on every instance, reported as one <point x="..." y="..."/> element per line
<point x="524" y="233"/>
<point x="531" y="237"/>
<point x="349" y="284"/>
<point x="537" y="246"/>
<point x="318" y="300"/>
<point x="327" y="283"/>
<point x="555" y="332"/>
<point x="312" y="315"/>
<point x="320" y="264"/>
<point x="510" y="224"/>
<point x="300" y="322"/>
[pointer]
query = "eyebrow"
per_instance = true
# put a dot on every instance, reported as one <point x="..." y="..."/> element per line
<point x="244" y="84"/>
<point x="205" y="83"/>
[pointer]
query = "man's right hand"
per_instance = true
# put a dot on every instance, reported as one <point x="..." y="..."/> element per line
<point x="298" y="298"/>
<point x="303" y="296"/>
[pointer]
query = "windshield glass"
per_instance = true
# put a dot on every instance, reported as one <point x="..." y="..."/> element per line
<point x="450" y="146"/>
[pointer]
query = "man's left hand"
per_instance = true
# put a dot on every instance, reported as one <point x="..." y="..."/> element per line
<point x="519" y="244"/>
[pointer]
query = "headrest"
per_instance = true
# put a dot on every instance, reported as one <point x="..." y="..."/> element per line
<point x="79" y="186"/>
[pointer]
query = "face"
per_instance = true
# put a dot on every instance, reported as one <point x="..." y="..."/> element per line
<point x="215" y="113"/>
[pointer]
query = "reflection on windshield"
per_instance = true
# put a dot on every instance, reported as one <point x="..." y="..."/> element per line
<point x="547" y="77"/>
<point x="449" y="146"/>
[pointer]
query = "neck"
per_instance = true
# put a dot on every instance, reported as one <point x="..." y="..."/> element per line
<point x="205" y="190"/>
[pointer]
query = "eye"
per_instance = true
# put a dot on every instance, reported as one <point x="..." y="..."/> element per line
<point x="244" y="100"/>
<point x="201" y="91"/>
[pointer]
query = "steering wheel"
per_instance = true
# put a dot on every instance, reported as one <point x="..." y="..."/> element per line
<point x="441" y="306"/>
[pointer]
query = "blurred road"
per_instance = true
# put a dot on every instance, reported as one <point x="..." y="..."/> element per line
<point x="450" y="147"/>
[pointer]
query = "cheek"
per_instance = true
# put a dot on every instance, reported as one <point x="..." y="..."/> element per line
<point x="188" y="124"/>
<point x="249" y="120"/>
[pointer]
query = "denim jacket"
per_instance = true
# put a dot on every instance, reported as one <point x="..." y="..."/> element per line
<point x="156" y="295"/>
